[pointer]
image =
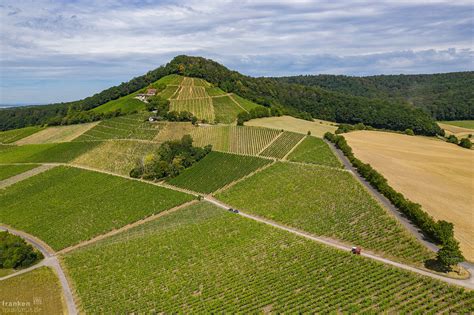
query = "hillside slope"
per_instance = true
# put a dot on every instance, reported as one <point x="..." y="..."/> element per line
<point x="290" y="98"/>
<point x="446" y="96"/>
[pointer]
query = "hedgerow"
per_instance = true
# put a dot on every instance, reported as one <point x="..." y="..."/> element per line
<point x="440" y="231"/>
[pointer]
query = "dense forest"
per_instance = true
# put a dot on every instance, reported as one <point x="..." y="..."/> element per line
<point x="445" y="96"/>
<point x="290" y="98"/>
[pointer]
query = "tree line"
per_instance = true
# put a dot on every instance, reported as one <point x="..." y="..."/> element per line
<point x="442" y="232"/>
<point x="289" y="98"/>
<point x="445" y="96"/>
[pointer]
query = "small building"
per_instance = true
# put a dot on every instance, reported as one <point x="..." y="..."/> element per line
<point x="144" y="96"/>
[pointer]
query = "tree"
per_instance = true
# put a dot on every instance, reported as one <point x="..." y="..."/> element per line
<point x="465" y="143"/>
<point x="450" y="255"/>
<point x="453" y="139"/>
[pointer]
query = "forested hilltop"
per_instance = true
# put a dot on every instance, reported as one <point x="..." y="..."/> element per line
<point x="445" y="96"/>
<point x="293" y="99"/>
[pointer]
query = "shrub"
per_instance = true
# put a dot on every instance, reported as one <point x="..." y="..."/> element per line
<point x="450" y="255"/>
<point x="16" y="253"/>
<point x="409" y="132"/>
<point x="453" y="139"/>
<point x="465" y="143"/>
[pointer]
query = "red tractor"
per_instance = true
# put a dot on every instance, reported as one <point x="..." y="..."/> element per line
<point x="356" y="250"/>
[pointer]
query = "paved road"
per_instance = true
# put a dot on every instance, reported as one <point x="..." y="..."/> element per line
<point x="469" y="283"/>
<point x="51" y="261"/>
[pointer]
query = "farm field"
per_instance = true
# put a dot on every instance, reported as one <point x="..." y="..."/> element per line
<point x="217" y="170"/>
<point x="314" y="151"/>
<point x="169" y="91"/>
<point x="245" y="103"/>
<point x="173" y="130"/>
<point x="234" y="139"/>
<point x="225" y="110"/>
<point x="324" y="202"/>
<point x="13" y="135"/>
<point x="255" y="269"/>
<point x="433" y="173"/>
<point x="214" y="91"/>
<point x="124" y="127"/>
<point x="282" y="145"/>
<point x="318" y="128"/>
<point x="7" y="171"/>
<point x="40" y="288"/>
<point x="63" y="214"/>
<point x="200" y="107"/>
<point x="57" y="134"/>
<point x="468" y="124"/>
<point x="116" y="156"/>
<point x="457" y="130"/>
<point x="126" y="104"/>
<point x="44" y="153"/>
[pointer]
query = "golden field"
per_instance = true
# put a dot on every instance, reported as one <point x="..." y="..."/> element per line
<point x="57" y="134"/>
<point x="436" y="174"/>
<point x="318" y="128"/>
<point x="459" y="132"/>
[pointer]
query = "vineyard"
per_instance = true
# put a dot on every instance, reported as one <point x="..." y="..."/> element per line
<point x="200" y="107"/>
<point x="45" y="153"/>
<point x="204" y="260"/>
<point x="169" y="91"/>
<point x="125" y="127"/>
<point x="282" y="145"/>
<point x="214" y="91"/>
<point x="315" y="151"/>
<point x="217" y="170"/>
<point x="57" y="134"/>
<point x="41" y="284"/>
<point x="11" y="136"/>
<point x="7" y="171"/>
<point x="235" y="139"/>
<point x="116" y="156"/>
<point x="126" y="104"/>
<point x="225" y="109"/>
<point x="188" y="92"/>
<point x="245" y="103"/>
<point x="62" y="214"/>
<point x="324" y="202"/>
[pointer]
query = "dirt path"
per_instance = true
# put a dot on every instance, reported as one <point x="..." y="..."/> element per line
<point x="17" y="178"/>
<point x="293" y="149"/>
<point x="50" y="260"/>
<point x="469" y="283"/>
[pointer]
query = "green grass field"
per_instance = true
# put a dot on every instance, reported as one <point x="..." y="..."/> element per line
<point x="116" y="156"/>
<point x="124" y="127"/>
<point x="11" y="136"/>
<point x="461" y="123"/>
<point x="214" y="91"/>
<point x="217" y="170"/>
<point x="324" y="202"/>
<point x="168" y="91"/>
<point x="126" y="104"/>
<point x="225" y="110"/>
<point x="7" y="171"/>
<point x="245" y="103"/>
<point x="282" y="145"/>
<point x="65" y="205"/>
<point x="45" y="153"/>
<point x="40" y="288"/>
<point x="315" y="151"/>
<point x="202" y="259"/>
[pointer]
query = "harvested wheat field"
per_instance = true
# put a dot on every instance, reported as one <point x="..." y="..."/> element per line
<point x="57" y="134"/>
<point x="436" y="174"/>
<point x="318" y="128"/>
<point x="460" y="132"/>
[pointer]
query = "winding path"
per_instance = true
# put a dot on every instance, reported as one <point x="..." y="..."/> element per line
<point x="49" y="260"/>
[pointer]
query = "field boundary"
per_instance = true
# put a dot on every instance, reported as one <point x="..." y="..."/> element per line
<point x="292" y="149"/>
<point x="269" y="144"/>
<point x="125" y="227"/>
<point x="22" y="176"/>
<point x="237" y="103"/>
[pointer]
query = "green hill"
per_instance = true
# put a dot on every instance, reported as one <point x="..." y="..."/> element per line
<point x="293" y="99"/>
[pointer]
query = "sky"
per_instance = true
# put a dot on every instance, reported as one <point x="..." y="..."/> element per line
<point x="63" y="50"/>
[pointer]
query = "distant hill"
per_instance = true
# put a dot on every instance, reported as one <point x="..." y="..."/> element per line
<point x="445" y="96"/>
<point x="293" y="99"/>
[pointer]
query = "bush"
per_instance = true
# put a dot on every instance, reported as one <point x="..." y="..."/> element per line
<point x="409" y="132"/>
<point x="465" y="143"/>
<point x="16" y="253"/>
<point x="453" y="139"/>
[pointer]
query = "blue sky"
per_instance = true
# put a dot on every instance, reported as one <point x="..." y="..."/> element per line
<point x="65" y="50"/>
